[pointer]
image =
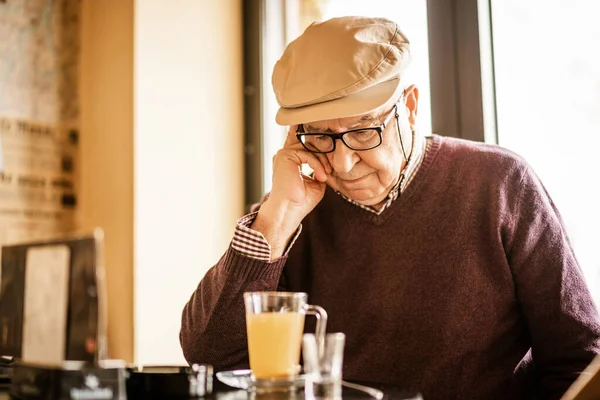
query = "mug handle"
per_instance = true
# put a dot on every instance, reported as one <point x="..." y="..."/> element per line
<point x="321" y="327"/>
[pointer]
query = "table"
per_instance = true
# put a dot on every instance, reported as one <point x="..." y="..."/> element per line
<point x="223" y="392"/>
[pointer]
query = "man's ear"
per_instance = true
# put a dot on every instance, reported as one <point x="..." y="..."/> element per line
<point x="411" y="95"/>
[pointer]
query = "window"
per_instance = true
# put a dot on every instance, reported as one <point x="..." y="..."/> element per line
<point x="548" y="107"/>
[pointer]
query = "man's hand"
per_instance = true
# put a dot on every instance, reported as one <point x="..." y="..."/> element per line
<point x="293" y="195"/>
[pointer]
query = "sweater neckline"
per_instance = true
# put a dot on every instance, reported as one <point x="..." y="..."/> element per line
<point x="407" y="194"/>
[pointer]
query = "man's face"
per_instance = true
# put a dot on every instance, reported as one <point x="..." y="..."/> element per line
<point x="368" y="176"/>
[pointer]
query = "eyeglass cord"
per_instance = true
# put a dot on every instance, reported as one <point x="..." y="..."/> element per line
<point x="402" y="175"/>
<point x="400" y="136"/>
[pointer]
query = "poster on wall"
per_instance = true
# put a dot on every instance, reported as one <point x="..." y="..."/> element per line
<point x="39" y="118"/>
<point x="38" y="184"/>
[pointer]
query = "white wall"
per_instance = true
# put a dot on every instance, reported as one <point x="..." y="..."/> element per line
<point x="188" y="160"/>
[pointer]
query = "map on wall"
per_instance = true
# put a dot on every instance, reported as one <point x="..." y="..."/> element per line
<point x="39" y="112"/>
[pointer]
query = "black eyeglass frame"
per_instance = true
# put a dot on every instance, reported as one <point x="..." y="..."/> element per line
<point x="335" y="136"/>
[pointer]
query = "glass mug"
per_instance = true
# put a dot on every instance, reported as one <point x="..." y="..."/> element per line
<point x="275" y="324"/>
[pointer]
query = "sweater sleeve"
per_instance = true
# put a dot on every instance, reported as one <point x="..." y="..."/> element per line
<point x="558" y="308"/>
<point x="213" y="327"/>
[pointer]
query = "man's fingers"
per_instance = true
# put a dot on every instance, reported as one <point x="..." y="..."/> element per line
<point x="291" y="138"/>
<point x="304" y="157"/>
<point x="325" y="162"/>
<point x="300" y="157"/>
<point x="292" y="143"/>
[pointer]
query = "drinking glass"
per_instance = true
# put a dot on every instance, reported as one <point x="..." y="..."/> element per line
<point x="323" y="366"/>
<point x="275" y="323"/>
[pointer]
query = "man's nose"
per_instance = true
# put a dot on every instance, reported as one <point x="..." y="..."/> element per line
<point x="343" y="158"/>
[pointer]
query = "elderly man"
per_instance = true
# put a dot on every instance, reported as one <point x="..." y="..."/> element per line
<point x="444" y="261"/>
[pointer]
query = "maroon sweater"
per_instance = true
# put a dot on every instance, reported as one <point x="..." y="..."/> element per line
<point x="445" y="293"/>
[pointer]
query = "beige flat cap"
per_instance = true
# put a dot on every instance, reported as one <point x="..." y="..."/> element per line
<point x="338" y="68"/>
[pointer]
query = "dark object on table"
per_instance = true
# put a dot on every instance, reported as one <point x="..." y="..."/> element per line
<point x="170" y="382"/>
<point x="6" y="364"/>
<point x="85" y="331"/>
<point x="72" y="380"/>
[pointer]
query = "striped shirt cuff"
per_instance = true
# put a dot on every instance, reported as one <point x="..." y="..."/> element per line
<point x="252" y="243"/>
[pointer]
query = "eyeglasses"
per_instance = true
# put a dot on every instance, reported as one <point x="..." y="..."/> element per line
<point x="356" y="139"/>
